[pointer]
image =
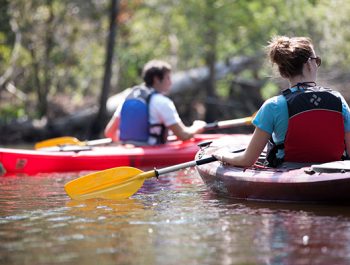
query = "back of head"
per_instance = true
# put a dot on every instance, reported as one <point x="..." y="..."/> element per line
<point x="154" y="68"/>
<point x="289" y="54"/>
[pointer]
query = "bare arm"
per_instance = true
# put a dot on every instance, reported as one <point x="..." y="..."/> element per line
<point x="112" y="129"/>
<point x="184" y="133"/>
<point x="251" y="154"/>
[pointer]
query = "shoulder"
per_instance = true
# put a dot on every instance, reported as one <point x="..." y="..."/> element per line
<point x="162" y="104"/>
<point x="271" y="106"/>
<point x="337" y="94"/>
<point x="274" y="102"/>
<point x="329" y="90"/>
<point x="158" y="98"/>
<point x="271" y="114"/>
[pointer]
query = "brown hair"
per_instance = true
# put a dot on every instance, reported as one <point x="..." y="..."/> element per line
<point x="289" y="54"/>
<point x="154" y="68"/>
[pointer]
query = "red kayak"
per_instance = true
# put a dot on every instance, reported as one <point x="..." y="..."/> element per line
<point x="292" y="182"/>
<point x="79" y="158"/>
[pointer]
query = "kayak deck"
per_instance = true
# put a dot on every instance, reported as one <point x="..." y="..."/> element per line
<point x="20" y="161"/>
<point x="268" y="184"/>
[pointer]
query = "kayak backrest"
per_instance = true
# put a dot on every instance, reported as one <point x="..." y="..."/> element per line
<point x="336" y="166"/>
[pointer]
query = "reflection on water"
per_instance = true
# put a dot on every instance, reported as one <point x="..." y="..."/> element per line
<point x="173" y="220"/>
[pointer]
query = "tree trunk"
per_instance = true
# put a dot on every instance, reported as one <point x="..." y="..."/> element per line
<point x="210" y="113"/>
<point x="188" y="80"/>
<point x="49" y="43"/>
<point x="36" y="80"/>
<point x="101" y="118"/>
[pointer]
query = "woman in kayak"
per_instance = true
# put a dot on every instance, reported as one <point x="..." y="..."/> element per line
<point x="147" y="113"/>
<point x="306" y="123"/>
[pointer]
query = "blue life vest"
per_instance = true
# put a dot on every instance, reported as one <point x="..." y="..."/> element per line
<point x="134" y="118"/>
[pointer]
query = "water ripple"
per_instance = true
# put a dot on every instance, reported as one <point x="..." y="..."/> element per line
<point x="173" y="220"/>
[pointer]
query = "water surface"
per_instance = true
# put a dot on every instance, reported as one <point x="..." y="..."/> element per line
<point x="174" y="220"/>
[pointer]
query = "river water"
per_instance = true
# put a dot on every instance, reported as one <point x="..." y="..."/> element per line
<point x="174" y="220"/>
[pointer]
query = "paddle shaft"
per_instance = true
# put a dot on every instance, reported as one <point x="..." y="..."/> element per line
<point x="228" y="123"/>
<point x="158" y="172"/>
<point x="184" y="165"/>
<point x="68" y="140"/>
<point x="99" y="141"/>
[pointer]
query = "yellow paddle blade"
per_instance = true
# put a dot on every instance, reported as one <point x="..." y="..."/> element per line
<point x="65" y="140"/>
<point x="114" y="183"/>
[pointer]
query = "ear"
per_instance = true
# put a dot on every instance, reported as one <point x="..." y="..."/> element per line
<point x="156" y="79"/>
<point x="156" y="82"/>
<point x="307" y="66"/>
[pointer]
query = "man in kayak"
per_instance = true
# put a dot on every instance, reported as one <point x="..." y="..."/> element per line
<point x="147" y="114"/>
<point x="307" y="123"/>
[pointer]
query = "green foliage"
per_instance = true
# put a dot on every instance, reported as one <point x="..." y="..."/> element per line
<point x="270" y="89"/>
<point x="9" y="112"/>
<point x="332" y="21"/>
<point x="63" y="42"/>
<point x="6" y="37"/>
<point x="5" y="51"/>
<point x="5" y="27"/>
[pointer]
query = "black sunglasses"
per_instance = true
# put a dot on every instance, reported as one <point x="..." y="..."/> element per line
<point x="317" y="59"/>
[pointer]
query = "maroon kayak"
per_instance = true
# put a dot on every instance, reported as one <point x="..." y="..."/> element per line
<point x="328" y="182"/>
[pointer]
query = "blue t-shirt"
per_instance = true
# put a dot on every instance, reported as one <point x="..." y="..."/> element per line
<point x="273" y="117"/>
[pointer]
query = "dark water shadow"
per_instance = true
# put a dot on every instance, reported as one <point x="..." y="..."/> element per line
<point x="317" y="209"/>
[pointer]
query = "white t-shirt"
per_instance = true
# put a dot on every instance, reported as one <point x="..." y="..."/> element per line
<point x="161" y="111"/>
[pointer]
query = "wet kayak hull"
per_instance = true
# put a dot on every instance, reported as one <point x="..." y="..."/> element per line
<point x="267" y="184"/>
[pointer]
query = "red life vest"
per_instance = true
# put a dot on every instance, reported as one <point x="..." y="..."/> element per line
<point x="315" y="127"/>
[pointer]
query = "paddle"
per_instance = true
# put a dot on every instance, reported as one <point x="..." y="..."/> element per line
<point x="68" y="140"/>
<point x="230" y="123"/>
<point x="121" y="182"/>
